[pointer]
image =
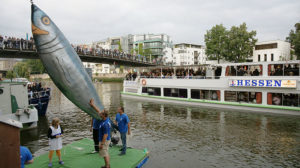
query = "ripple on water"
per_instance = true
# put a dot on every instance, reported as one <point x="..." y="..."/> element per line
<point x="182" y="136"/>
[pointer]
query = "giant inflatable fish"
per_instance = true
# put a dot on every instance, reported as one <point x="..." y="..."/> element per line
<point x="62" y="63"/>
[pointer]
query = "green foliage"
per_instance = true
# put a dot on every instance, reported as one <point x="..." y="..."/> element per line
<point x="139" y="49"/>
<point x="120" y="47"/>
<point x="240" y="43"/>
<point x="10" y="75"/>
<point x="122" y="68"/>
<point x="22" y="70"/>
<point x="147" y="52"/>
<point x="35" y="66"/>
<point x="215" y="40"/>
<point x="27" y="67"/>
<point x="235" y="45"/>
<point x="294" y="39"/>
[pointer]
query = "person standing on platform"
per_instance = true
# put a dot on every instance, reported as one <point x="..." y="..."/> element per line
<point x="123" y="123"/>
<point x="25" y="156"/>
<point x="95" y="128"/>
<point x="104" y="134"/>
<point x="55" y="132"/>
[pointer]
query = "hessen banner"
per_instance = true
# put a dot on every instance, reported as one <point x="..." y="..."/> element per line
<point x="263" y="83"/>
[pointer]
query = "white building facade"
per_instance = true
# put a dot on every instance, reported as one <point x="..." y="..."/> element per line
<point x="188" y="54"/>
<point x="276" y="50"/>
<point x="156" y="46"/>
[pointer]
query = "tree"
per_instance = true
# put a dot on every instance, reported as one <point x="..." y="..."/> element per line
<point x="35" y="66"/>
<point x="294" y="39"/>
<point x="10" y="75"/>
<point x="240" y="43"/>
<point x="22" y="70"/>
<point x="215" y="41"/>
<point x="120" y="47"/>
<point x="140" y="49"/>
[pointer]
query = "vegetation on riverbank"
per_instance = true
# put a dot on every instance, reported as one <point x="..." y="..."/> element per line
<point x="97" y="79"/>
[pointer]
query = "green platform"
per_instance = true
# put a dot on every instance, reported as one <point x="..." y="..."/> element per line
<point x="78" y="155"/>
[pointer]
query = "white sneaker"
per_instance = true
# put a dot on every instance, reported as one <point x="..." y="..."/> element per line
<point x="94" y="152"/>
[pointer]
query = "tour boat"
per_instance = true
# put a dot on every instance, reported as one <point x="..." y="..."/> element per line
<point x="256" y="86"/>
<point x="14" y="104"/>
<point x="40" y="100"/>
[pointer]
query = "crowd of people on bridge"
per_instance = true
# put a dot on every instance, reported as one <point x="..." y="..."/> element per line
<point x="7" y="42"/>
<point x="99" y="51"/>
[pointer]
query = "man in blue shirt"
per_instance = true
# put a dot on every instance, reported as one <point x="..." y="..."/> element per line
<point x="95" y="128"/>
<point x="25" y="156"/>
<point x="104" y="134"/>
<point x="123" y="123"/>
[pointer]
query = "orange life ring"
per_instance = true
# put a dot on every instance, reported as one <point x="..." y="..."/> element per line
<point x="144" y="82"/>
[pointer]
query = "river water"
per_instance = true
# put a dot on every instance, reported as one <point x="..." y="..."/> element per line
<point x="180" y="136"/>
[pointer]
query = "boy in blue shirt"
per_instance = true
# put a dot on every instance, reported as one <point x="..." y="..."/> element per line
<point x="25" y="156"/>
<point x="123" y="123"/>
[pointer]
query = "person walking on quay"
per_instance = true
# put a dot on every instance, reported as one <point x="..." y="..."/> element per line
<point x="55" y="133"/>
<point x="25" y="156"/>
<point x="95" y="124"/>
<point x="123" y="123"/>
<point x="104" y="134"/>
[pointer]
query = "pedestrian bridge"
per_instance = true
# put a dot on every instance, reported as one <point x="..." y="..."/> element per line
<point x="105" y="57"/>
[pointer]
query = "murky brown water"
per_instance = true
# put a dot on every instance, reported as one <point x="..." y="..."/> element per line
<point x="181" y="136"/>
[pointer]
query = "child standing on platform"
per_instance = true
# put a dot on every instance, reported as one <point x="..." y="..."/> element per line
<point x="55" y="132"/>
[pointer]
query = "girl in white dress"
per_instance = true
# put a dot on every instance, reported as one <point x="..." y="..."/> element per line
<point x="55" y="133"/>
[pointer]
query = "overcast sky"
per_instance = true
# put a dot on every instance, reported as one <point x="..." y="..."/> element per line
<point x="184" y="20"/>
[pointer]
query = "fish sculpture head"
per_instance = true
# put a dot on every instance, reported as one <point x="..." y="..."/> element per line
<point x="43" y="28"/>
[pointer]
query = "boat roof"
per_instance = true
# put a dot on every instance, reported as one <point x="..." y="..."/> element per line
<point x="224" y="64"/>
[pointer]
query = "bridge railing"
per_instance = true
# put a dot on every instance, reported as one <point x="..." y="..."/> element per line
<point x="21" y="44"/>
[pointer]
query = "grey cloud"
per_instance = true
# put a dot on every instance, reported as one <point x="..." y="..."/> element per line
<point x="184" y="20"/>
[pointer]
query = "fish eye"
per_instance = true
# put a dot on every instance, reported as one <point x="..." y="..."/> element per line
<point x="45" y="20"/>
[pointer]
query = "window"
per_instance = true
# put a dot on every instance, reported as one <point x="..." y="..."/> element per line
<point x="205" y="94"/>
<point x="283" y="69"/>
<point x="230" y="96"/>
<point x="175" y="92"/>
<point x="258" y="57"/>
<point x="244" y="97"/>
<point x="265" y="57"/>
<point x="155" y="91"/>
<point x="272" y="57"/>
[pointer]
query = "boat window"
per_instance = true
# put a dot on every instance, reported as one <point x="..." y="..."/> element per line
<point x="183" y="93"/>
<point x="218" y="72"/>
<point x="243" y="97"/>
<point x="195" y="94"/>
<point x="244" y="70"/>
<point x="167" y="92"/>
<point x="1" y="91"/>
<point x="144" y="90"/>
<point x="175" y="92"/>
<point x="283" y="99"/>
<point x="155" y="91"/>
<point x="205" y="94"/>
<point x="283" y="69"/>
<point x="231" y="96"/>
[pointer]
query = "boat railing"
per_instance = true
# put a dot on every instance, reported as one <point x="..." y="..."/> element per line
<point x="38" y="94"/>
<point x="181" y="77"/>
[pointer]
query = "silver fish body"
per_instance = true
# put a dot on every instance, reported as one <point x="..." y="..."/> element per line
<point x="62" y="63"/>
